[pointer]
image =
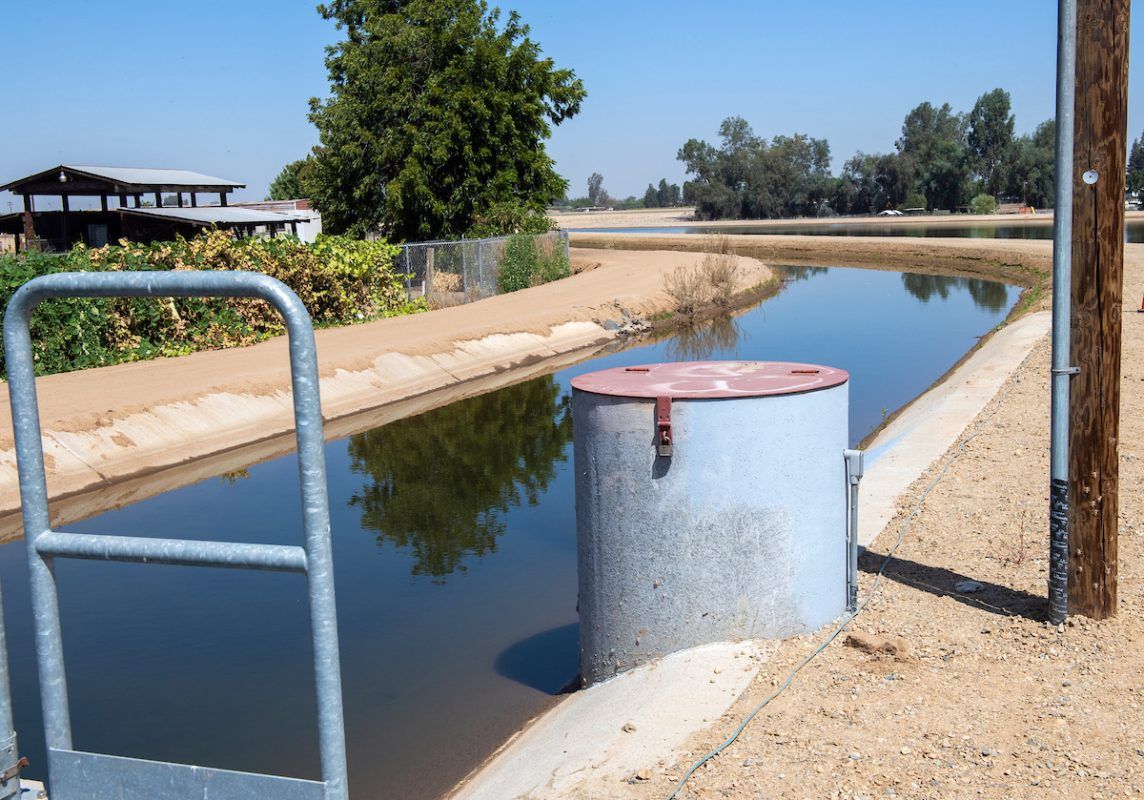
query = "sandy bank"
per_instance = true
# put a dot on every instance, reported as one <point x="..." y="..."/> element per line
<point x="103" y="426"/>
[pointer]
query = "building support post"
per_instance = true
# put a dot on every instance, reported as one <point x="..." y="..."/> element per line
<point x="29" y="223"/>
<point x="1062" y="269"/>
<point x="1101" y="131"/>
<point x="64" y="218"/>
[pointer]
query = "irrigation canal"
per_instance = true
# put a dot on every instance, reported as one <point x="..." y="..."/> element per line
<point x="454" y="543"/>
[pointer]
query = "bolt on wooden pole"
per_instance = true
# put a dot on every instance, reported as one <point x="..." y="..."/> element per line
<point x="1101" y="129"/>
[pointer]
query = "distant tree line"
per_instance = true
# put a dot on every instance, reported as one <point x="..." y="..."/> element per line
<point x="942" y="161"/>
<point x="665" y="195"/>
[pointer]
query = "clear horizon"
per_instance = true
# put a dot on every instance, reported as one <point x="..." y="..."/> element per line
<point x="223" y="88"/>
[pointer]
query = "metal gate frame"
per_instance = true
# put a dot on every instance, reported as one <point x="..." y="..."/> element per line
<point x="78" y="775"/>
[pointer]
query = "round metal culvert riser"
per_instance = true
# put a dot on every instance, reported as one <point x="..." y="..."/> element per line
<point x="710" y="506"/>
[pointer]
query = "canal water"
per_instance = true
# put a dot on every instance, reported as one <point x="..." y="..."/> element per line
<point x="1133" y="230"/>
<point x="454" y="546"/>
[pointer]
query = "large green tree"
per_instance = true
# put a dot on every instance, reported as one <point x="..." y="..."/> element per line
<point x="990" y="138"/>
<point x="293" y="182"/>
<point x="873" y="182"/>
<point x="749" y="177"/>
<point x="936" y="155"/>
<point x="438" y="113"/>
<point x="1030" y="165"/>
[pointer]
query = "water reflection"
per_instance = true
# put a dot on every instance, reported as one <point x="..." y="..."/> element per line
<point x="439" y="484"/>
<point x="794" y="274"/>
<point x="699" y="342"/>
<point x="986" y="294"/>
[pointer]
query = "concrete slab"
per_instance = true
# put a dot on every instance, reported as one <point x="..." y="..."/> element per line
<point x="599" y="737"/>
<point x="927" y="428"/>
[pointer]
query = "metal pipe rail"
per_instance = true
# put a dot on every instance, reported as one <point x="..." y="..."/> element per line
<point x="76" y="775"/>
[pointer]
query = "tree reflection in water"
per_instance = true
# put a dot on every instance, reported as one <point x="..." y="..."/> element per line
<point x="699" y="342"/>
<point x="990" y="295"/>
<point x="441" y="483"/>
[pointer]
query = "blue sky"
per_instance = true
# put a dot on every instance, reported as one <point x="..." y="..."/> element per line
<point x="222" y="87"/>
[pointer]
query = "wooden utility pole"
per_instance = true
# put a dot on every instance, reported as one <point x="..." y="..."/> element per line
<point x="1097" y="274"/>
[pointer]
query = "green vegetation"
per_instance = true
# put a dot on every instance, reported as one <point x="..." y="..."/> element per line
<point x="1136" y="166"/>
<point x="983" y="204"/>
<point x="531" y="261"/>
<point x="941" y="160"/>
<point x="340" y="281"/>
<point x="441" y="483"/>
<point x="748" y="177"/>
<point x="293" y="182"/>
<point x="438" y="114"/>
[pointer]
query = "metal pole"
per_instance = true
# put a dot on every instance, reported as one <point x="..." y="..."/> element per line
<point x="855" y="468"/>
<point x="1062" y="369"/>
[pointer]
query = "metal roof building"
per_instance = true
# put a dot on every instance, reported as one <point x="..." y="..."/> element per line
<point x="122" y="213"/>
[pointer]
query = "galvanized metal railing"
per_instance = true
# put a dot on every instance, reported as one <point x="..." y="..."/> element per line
<point x="79" y="775"/>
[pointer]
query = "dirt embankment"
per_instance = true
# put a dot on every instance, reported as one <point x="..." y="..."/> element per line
<point x="955" y="686"/>
<point x="1024" y="262"/>
<point x="103" y="426"/>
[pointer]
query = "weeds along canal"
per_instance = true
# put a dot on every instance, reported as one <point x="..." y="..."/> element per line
<point x="455" y="558"/>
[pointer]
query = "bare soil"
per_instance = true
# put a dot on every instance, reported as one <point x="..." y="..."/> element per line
<point x="954" y="690"/>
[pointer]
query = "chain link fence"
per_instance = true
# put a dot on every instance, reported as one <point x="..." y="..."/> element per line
<point x="449" y="273"/>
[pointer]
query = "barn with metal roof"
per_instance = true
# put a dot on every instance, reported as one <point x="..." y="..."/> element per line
<point x="171" y="208"/>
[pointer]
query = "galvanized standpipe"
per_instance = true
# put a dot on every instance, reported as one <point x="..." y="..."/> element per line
<point x="1062" y="369"/>
<point x="855" y="468"/>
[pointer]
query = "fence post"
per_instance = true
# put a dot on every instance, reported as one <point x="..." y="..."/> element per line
<point x="408" y="275"/>
<point x="464" y="267"/>
<point x="567" y="250"/>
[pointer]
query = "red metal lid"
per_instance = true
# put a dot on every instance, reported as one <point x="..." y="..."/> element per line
<point x="697" y="380"/>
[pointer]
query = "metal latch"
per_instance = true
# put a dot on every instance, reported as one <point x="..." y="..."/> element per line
<point x="13" y="771"/>
<point x="663" y="440"/>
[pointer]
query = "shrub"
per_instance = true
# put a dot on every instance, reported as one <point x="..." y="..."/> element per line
<point x="983" y="204"/>
<point x="914" y="200"/>
<point x="531" y="261"/>
<point x="505" y="219"/>
<point x="721" y="272"/>
<point x="340" y="281"/>
<point x="688" y="288"/>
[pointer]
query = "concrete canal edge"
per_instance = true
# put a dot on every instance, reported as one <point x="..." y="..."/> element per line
<point x="590" y="741"/>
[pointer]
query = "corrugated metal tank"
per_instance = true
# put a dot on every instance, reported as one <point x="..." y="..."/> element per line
<point x="710" y="506"/>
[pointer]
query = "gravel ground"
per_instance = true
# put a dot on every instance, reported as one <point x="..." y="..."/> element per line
<point x="968" y="692"/>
